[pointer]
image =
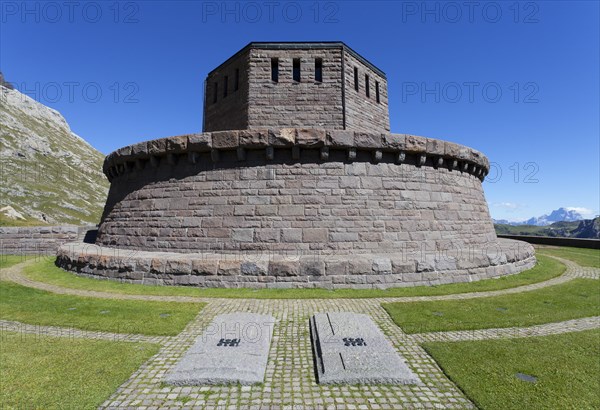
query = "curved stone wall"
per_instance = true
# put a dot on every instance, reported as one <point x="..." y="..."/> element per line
<point x="295" y="190"/>
<point x="296" y="208"/>
<point x="409" y="266"/>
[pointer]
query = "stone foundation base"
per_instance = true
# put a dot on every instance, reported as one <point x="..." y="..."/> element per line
<point x="407" y="267"/>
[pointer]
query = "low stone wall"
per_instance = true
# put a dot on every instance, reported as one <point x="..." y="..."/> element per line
<point x="554" y="241"/>
<point x="412" y="266"/>
<point x="39" y="240"/>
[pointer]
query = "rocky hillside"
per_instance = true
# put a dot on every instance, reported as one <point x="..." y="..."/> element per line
<point x="47" y="173"/>
<point x="587" y="228"/>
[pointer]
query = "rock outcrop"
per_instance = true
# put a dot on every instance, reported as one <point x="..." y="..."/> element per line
<point x="48" y="174"/>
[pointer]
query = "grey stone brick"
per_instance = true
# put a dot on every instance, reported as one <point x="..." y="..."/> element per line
<point x="225" y="139"/>
<point x="291" y="235"/>
<point x="242" y="235"/>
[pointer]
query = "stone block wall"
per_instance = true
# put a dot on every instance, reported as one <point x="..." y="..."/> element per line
<point x="230" y="111"/>
<point x="405" y="267"/>
<point x="40" y="240"/>
<point x="295" y="189"/>
<point x="260" y="102"/>
<point x="364" y="113"/>
<point x="288" y="103"/>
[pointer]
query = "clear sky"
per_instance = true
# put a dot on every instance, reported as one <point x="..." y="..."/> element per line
<point x="517" y="81"/>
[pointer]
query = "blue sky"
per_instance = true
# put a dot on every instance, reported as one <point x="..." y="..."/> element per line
<point x="517" y="81"/>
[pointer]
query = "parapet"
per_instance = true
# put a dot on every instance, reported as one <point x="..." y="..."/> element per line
<point x="272" y="143"/>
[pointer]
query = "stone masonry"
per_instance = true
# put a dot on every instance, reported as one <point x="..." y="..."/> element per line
<point x="241" y="93"/>
<point x="229" y="196"/>
<point x="38" y="240"/>
<point x="296" y="181"/>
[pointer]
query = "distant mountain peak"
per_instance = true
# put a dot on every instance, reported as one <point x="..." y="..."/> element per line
<point x="562" y="214"/>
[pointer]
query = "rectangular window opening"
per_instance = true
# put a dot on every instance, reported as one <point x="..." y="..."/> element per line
<point x="275" y="69"/>
<point x="377" y="91"/>
<point x="225" y="81"/>
<point x="216" y="92"/>
<point x="356" y="78"/>
<point x="236" y="80"/>
<point x="296" y="70"/>
<point x="319" y="70"/>
<point x="367" y="86"/>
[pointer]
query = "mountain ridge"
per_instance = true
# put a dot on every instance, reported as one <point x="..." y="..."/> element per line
<point x="562" y="214"/>
<point x="48" y="174"/>
<point x="584" y="229"/>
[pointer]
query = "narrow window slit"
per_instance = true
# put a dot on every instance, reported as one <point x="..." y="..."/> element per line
<point x="275" y="69"/>
<point x="319" y="70"/>
<point x="296" y="69"/>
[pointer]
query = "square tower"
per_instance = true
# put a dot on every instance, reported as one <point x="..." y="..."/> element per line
<point x="296" y="84"/>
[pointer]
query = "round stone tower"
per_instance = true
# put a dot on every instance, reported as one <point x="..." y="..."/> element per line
<point x="296" y="181"/>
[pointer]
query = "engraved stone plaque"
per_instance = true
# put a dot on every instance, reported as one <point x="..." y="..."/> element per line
<point x="234" y="348"/>
<point x="349" y="348"/>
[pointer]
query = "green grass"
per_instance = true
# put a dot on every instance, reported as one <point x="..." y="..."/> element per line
<point x="581" y="256"/>
<point x="575" y="299"/>
<point x="566" y="366"/>
<point x="45" y="271"/>
<point x="60" y="373"/>
<point x="33" y="306"/>
<point x="5" y="221"/>
<point x="6" y="261"/>
<point x="557" y="229"/>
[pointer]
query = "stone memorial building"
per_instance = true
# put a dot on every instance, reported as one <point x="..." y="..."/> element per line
<point x="296" y="181"/>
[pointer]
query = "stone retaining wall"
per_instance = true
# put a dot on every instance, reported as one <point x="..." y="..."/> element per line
<point x="556" y="241"/>
<point x="416" y="266"/>
<point x="40" y="240"/>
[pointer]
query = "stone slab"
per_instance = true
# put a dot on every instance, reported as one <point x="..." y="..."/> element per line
<point x="233" y="349"/>
<point x="349" y="348"/>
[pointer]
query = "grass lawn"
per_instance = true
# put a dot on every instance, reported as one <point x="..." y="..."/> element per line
<point x="39" y="307"/>
<point x="45" y="271"/>
<point x="574" y="299"/>
<point x="581" y="256"/>
<point x="61" y="373"/>
<point x="566" y="367"/>
<point x="6" y="261"/>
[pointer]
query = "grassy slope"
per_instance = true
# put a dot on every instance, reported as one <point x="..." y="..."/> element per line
<point x="45" y="271"/>
<point x="67" y="185"/>
<point x="566" y="366"/>
<point x="575" y="299"/>
<point x="60" y="373"/>
<point x="5" y="221"/>
<point x="34" y="306"/>
<point x="555" y="229"/>
<point x="581" y="256"/>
